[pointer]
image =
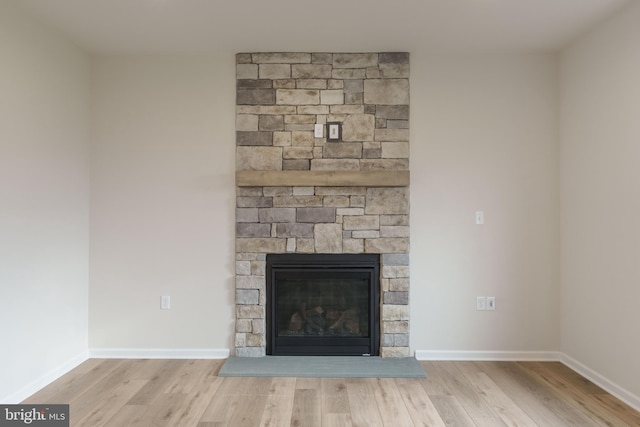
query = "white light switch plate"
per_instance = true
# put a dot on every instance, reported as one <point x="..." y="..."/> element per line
<point x="165" y="302"/>
<point x="318" y="130"/>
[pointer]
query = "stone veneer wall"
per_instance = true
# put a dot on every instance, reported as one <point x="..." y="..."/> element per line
<point x="280" y="97"/>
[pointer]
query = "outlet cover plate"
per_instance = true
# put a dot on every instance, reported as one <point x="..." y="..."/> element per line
<point x="165" y="302"/>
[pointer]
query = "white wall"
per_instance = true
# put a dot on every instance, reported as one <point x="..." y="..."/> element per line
<point x="162" y="202"/>
<point x="601" y="199"/>
<point x="484" y="137"/>
<point x="44" y="204"/>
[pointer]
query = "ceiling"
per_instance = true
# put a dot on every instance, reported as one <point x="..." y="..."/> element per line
<point x="208" y="26"/>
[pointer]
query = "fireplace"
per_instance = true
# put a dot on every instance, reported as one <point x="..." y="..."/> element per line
<point x="323" y="304"/>
<point x="299" y="194"/>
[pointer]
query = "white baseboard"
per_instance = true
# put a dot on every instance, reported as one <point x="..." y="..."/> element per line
<point x="44" y="380"/>
<point x="158" y="353"/>
<point x="611" y="387"/>
<point x="538" y="356"/>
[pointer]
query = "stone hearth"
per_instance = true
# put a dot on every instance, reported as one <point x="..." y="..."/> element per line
<point x="297" y="193"/>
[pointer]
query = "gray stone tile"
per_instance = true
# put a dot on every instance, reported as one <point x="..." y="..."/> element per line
<point x="294" y="230"/>
<point x="358" y="127"/>
<point x="259" y="158"/>
<point x="275" y="71"/>
<point x="247" y="215"/>
<point x="394" y="219"/>
<point x="296" y="164"/>
<point x="398" y="124"/>
<point x="392" y="112"/>
<point x="255" y="96"/>
<point x="297" y="96"/>
<point x="297" y="153"/>
<point x="264" y="245"/>
<point x="343" y="150"/>
<point x="386" y="244"/>
<point x="355" y="60"/>
<point x="249" y="229"/>
<point x="321" y="58"/>
<point x="254" y="202"/>
<point x="393" y="58"/>
<point x="298" y="201"/>
<point x="398" y="298"/>
<point x="281" y="58"/>
<point x="247" y="122"/>
<point x="394" y="71"/>
<point x="395" y="259"/>
<point x="386" y="201"/>
<point x="328" y="238"/>
<point x="250" y="351"/>
<point x="311" y="71"/>
<point x="316" y="215"/>
<point x="272" y="215"/>
<point x="384" y="164"/>
<point x="243" y="58"/>
<point x="254" y="84"/>
<point x="254" y="138"/>
<point x="247" y="296"/>
<point x="271" y="123"/>
<point x="386" y="91"/>
<point x="246" y="71"/>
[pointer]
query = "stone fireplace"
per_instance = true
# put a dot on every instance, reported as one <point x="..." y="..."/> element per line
<point x="298" y="193"/>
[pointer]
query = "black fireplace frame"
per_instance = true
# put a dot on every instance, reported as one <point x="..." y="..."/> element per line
<point x="308" y="265"/>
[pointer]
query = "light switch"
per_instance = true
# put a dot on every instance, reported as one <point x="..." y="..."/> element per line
<point x="479" y="217"/>
<point x="318" y="130"/>
<point x="165" y="302"/>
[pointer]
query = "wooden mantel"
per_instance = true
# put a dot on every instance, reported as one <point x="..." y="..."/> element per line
<point x="322" y="178"/>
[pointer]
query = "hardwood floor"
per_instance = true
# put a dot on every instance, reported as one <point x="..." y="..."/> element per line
<point x="189" y="393"/>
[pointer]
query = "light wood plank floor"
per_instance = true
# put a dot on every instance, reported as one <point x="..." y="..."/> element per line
<point x="185" y="393"/>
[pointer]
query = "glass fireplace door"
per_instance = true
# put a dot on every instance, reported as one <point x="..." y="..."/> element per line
<point x="322" y="310"/>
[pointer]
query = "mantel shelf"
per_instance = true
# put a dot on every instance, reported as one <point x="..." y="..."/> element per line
<point x="322" y="178"/>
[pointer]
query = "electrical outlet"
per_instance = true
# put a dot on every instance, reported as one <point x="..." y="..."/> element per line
<point x="481" y="303"/>
<point x="165" y="302"/>
<point x="479" y="217"/>
<point x="491" y="303"/>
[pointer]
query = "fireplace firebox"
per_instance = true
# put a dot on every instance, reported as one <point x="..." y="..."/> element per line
<point x="323" y="304"/>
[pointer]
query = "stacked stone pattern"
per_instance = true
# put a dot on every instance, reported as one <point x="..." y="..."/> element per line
<point x="280" y="98"/>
